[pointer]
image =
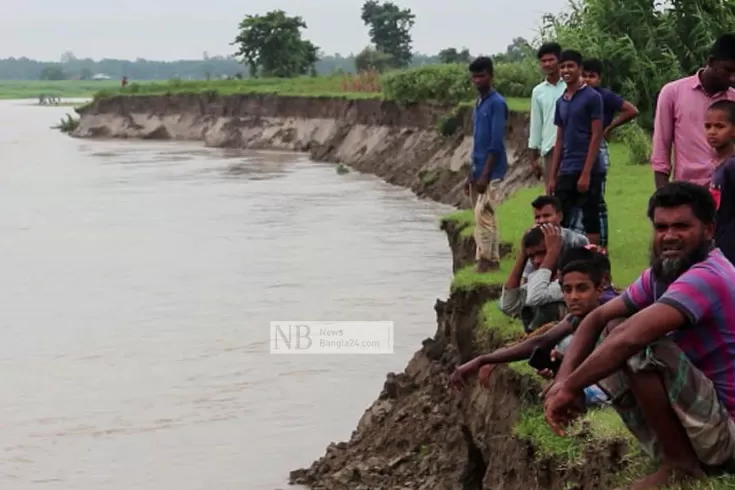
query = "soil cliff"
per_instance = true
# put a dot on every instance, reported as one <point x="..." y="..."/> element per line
<point x="419" y="435"/>
<point x="399" y="143"/>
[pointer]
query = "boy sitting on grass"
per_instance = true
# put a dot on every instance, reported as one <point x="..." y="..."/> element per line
<point x="582" y="284"/>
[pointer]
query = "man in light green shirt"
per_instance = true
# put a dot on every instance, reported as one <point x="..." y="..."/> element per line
<point x="542" y="133"/>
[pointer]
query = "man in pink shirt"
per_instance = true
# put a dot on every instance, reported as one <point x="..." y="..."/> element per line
<point x="680" y="112"/>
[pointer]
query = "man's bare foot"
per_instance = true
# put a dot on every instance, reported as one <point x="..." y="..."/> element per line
<point x="667" y="475"/>
<point x="485" y="265"/>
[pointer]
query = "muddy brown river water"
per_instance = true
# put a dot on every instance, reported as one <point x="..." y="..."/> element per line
<point x="138" y="282"/>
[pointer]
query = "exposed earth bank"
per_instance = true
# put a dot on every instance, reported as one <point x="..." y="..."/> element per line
<point x="399" y="143"/>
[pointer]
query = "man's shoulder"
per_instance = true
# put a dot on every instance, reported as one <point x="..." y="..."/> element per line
<point x="591" y="93"/>
<point x="573" y="238"/>
<point x="671" y="88"/>
<point x="716" y="270"/>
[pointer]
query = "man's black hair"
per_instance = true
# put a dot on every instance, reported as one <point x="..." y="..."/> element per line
<point x="723" y="48"/>
<point x="482" y="64"/>
<point x="682" y="193"/>
<point x="533" y="238"/>
<point x="592" y="65"/>
<point x="726" y="106"/>
<point x="542" y="201"/>
<point x="549" y="48"/>
<point x="576" y="254"/>
<point x="571" y="55"/>
<point x="589" y="267"/>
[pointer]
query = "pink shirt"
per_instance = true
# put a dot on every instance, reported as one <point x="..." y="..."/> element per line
<point x="682" y="105"/>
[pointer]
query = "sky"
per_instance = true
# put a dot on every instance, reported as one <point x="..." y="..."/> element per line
<point x="176" y="29"/>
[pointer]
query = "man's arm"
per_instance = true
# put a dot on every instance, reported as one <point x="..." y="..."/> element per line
<point x="536" y="126"/>
<point x="511" y="300"/>
<point x="663" y="136"/>
<point x="541" y="290"/>
<point x="498" y="120"/>
<point x="594" y="108"/>
<point x="588" y="332"/>
<point x="523" y="350"/>
<point x="626" y="113"/>
<point x="626" y="339"/>
<point x="558" y="149"/>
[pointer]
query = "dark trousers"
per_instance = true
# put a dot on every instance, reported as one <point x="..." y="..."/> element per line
<point x="589" y="203"/>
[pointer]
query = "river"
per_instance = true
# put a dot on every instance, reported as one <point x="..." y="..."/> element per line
<point x="138" y="283"/>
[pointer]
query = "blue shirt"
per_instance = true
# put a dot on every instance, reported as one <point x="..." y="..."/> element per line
<point x="574" y="116"/>
<point x="489" y="119"/>
<point x="611" y="104"/>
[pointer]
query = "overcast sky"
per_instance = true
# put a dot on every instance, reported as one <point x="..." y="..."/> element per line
<point x="177" y="29"/>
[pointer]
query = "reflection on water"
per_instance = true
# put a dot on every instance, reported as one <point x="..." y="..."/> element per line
<point x="139" y="280"/>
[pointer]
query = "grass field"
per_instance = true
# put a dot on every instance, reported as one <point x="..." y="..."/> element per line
<point x="628" y="190"/>
<point x="31" y="89"/>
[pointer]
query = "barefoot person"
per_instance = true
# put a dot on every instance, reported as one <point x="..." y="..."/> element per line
<point x="679" y="117"/>
<point x="666" y="360"/>
<point x="489" y="163"/>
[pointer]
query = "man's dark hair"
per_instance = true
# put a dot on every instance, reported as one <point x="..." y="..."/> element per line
<point x="533" y="238"/>
<point x="592" y="65"/>
<point x="589" y="267"/>
<point x="681" y="193"/>
<point x="571" y="55"/>
<point x="542" y="201"/>
<point x="724" y="48"/>
<point x="726" y="106"/>
<point x="482" y="64"/>
<point x="549" y="48"/>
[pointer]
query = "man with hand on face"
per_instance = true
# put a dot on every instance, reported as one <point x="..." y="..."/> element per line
<point x="664" y="351"/>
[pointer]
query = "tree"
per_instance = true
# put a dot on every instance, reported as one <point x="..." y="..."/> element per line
<point x="390" y="30"/>
<point x="271" y="45"/>
<point x="370" y="59"/>
<point x="451" y="55"/>
<point x="53" y="72"/>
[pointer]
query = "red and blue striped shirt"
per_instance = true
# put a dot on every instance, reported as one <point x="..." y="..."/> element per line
<point x="705" y="295"/>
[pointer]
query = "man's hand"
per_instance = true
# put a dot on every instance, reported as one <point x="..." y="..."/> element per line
<point x="552" y="238"/>
<point x="536" y="168"/>
<point x="481" y="184"/>
<point x="606" y="133"/>
<point x="561" y="406"/>
<point x="484" y="375"/>
<point x="583" y="184"/>
<point x="551" y="186"/>
<point x="467" y="185"/>
<point x="458" y="379"/>
<point x="548" y="373"/>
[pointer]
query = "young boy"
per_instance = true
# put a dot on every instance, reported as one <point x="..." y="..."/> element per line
<point x="582" y="286"/>
<point x="577" y="171"/>
<point x="719" y="126"/>
<point x="612" y="104"/>
<point x="489" y="163"/>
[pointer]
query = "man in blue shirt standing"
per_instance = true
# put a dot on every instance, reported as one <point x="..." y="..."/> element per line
<point x="616" y="111"/>
<point x="577" y="172"/>
<point x="488" y="164"/>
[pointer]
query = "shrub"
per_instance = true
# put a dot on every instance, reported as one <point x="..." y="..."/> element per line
<point x="444" y="83"/>
<point x="637" y="140"/>
<point x="516" y="79"/>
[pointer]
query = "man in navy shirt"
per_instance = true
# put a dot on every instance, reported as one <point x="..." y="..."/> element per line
<point x="612" y="104"/>
<point x="577" y="172"/>
<point x="488" y="164"/>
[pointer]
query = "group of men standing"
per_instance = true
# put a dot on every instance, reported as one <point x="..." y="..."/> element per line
<point x="662" y="353"/>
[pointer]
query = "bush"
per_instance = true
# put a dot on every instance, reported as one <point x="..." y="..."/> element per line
<point x="450" y="83"/>
<point x="637" y="140"/>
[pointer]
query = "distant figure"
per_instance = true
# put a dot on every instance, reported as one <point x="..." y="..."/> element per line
<point x="679" y="119"/>
<point x="124" y="82"/>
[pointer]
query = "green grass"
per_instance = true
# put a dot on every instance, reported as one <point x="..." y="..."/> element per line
<point x="628" y="190"/>
<point x="31" y="89"/>
<point x="331" y="86"/>
<point x="517" y="104"/>
<point x="491" y="317"/>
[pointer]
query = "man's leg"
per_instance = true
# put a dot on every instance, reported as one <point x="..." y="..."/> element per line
<point x="486" y="230"/>
<point x="590" y="206"/>
<point x="566" y="192"/>
<point x="674" y="412"/>
<point x="605" y="157"/>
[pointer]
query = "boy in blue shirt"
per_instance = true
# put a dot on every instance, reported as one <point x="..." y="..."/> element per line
<point x="489" y="163"/>
<point x="612" y="104"/>
<point x="577" y="172"/>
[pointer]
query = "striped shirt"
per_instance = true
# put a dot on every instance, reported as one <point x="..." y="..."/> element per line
<point x="705" y="295"/>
